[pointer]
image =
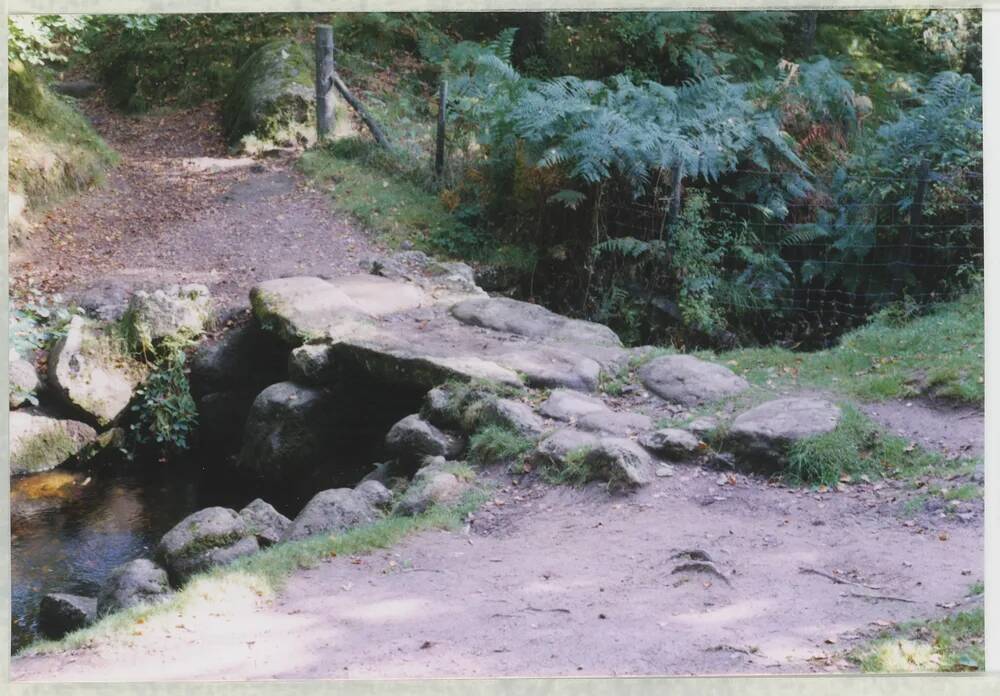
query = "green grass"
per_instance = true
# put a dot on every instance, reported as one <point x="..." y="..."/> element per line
<point x="267" y="571"/>
<point x="494" y="443"/>
<point x="574" y="471"/>
<point x="393" y="207"/>
<point x="857" y="447"/>
<point x="952" y="644"/>
<point x="939" y="354"/>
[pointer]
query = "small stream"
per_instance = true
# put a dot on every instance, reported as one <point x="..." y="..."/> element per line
<point x="70" y="529"/>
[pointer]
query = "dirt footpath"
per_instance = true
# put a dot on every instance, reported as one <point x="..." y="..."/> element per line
<point x="177" y="208"/>
<point x="556" y="581"/>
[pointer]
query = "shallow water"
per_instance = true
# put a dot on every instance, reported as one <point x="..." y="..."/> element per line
<point x="69" y="530"/>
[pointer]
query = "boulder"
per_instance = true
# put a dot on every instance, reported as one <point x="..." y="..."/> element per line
<point x="336" y="510"/>
<point x="242" y="358"/>
<point x="615" y="422"/>
<point x="686" y="380"/>
<point x="413" y="438"/>
<point x="620" y="462"/>
<point x="510" y="414"/>
<point x="672" y="443"/>
<point x="312" y="364"/>
<point x="441" y="408"/>
<point x="272" y="96"/>
<point x="24" y="382"/>
<point x="286" y="432"/>
<point x="375" y="493"/>
<point x="59" y="614"/>
<point x="222" y="418"/>
<point x="433" y="484"/>
<point x="136" y="582"/>
<point x="264" y="522"/>
<point x="90" y="374"/>
<point x="533" y="321"/>
<point x="567" y="405"/>
<point x="546" y="366"/>
<point x="39" y="442"/>
<point x="557" y="447"/>
<point x="702" y="426"/>
<point x="761" y="437"/>
<point x="172" y="311"/>
<point x="301" y="309"/>
<point x="210" y="537"/>
<point x="385" y="472"/>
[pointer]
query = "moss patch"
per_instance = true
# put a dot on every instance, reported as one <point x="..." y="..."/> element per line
<point x="272" y="97"/>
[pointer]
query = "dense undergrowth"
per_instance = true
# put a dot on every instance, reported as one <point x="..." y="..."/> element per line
<point x="693" y="178"/>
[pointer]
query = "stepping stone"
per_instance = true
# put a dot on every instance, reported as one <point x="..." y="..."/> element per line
<point x="686" y="380"/>
<point x="762" y="436"/>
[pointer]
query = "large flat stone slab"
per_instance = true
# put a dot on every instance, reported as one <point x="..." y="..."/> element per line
<point x="426" y="324"/>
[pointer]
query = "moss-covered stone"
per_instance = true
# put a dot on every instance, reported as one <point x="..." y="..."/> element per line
<point x="272" y="96"/>
<point x="39" y="442"/>
<point x="91" y="372"/>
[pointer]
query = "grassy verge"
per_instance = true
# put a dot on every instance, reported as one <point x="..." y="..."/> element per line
<point x="952" y="644"/>
<point x="390" y="205"/>
<point x="939" y="355"/>
<point x="266" y="572"/>
<point x="53" y="150"/>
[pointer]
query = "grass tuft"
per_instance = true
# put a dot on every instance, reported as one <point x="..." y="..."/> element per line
<point x="493" y="443"/>
<point x="952" y="644"/>
<point x="856" y="447"/>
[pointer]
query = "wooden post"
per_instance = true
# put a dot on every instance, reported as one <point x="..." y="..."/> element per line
<point x="325" y="105"/>
<point x="442" y="119"/>
<point x="368" y="119"/>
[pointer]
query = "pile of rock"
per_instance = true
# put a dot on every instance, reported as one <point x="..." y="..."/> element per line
<point x="90" y="379"/>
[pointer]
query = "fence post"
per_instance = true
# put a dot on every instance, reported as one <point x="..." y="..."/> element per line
<point x="442" y="119"/>
<point x="325" y="114"/>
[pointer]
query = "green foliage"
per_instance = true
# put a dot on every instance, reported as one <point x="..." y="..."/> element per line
<point x="35" y="323"/>
<point x="149" y="60"/>
<point x="363" y="184"/>
<point x="165" y="412"/>
<point x="42" y="39"/>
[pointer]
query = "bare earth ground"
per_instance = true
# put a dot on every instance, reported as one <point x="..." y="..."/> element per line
<point x="177" y="209"/>
<point x="546" y="581"/>
<point x="556" y="581"/>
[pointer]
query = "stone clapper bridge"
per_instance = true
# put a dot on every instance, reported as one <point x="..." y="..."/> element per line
<point x="406" y="328"/>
